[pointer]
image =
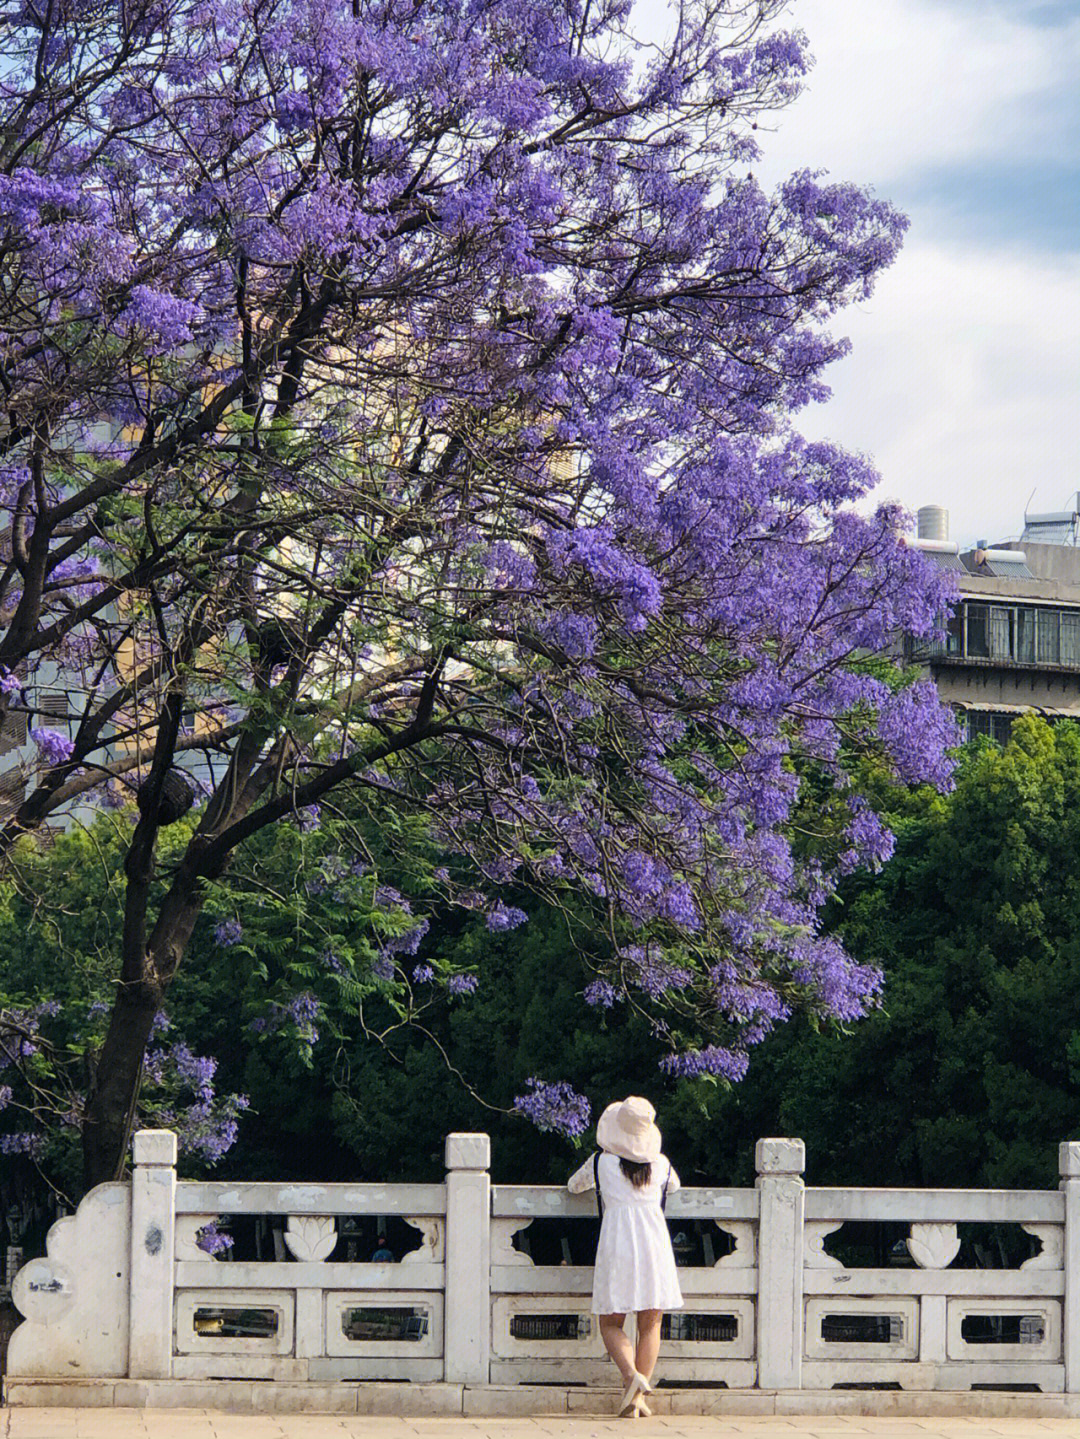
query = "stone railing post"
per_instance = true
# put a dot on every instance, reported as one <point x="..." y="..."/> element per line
<point x="153" y="1224"/>
<point x="780" y="1164"/>
<point x="1069" y="1169"/>
<point x="467" y="1308"/>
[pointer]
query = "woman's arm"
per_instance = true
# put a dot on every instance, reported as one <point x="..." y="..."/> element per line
<point x="582" y="1179"/>
<point x="673" y="1179"/>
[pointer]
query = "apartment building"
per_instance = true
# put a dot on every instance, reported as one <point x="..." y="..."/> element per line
<point x="1013" y="641"/>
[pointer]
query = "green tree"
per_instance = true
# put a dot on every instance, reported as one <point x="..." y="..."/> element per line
<point x="971" y="1072"/>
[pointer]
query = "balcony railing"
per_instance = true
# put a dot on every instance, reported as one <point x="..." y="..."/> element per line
<point x="1026" y="636"/>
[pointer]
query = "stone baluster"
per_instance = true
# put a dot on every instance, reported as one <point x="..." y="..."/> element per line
<point x="467" y="1322"/>
<point x="1069" y="1169"/>
<point x="153" y="1227"/>
<point x="780" y="1164"/>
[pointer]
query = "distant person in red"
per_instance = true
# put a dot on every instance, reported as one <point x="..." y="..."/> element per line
<point x="635" y="1265"/>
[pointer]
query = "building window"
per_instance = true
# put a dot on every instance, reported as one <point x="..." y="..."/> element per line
<point x="954" y="633"/>
<point x="977" y="631"/>
<point x="53" y="704"/>
<point x="1026" y="623"/>
<point x="1008" y="634"/>
<point x="13" y="731"/>
<point x="1049" y="636"/>
<point x="994" y="724"/>
<point x="1001" y="633"/>
<point x="1070" y="639"/>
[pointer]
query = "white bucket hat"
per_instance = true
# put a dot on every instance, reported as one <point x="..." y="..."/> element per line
<point x="628" y="1129"/>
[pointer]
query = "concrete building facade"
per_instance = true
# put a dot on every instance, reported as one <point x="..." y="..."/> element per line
<point x="1013" y="642"/>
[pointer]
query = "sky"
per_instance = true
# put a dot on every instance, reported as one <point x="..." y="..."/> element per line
<point x="964" y="380"/>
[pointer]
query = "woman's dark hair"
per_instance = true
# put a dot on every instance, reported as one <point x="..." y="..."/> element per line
<point x="638" y="1174"/>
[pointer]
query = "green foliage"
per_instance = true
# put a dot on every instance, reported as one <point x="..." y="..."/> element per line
<point x="970" y="1074"/>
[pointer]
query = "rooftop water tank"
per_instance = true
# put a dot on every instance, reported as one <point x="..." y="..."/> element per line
<point x="933" y="523"/>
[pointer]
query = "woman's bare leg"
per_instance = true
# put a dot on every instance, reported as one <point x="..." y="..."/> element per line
<point x="617" y="1343"/>
<point x="648" y="1341"/>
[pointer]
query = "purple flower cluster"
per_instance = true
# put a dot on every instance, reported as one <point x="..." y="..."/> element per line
<point x="19" y="1030"/>
<point x="55" y="748"/>
<point x="600" y="994"/>
<point x="501" y="917"/>
<point x="301" y="1013"/>
<point x="627" y="603"/>
<point x="730" y="1064"/>
<point x="23" y="1142"/>
<point x="212" y="1240"/>
<point x="208" y="1129"/>
<point x="170" y="320"/>
<point x="383" y="968"/>
<point x="647" y="967"/>
<point x="206" y="1123"/>
<point x="554" y="1108"/>
<point x="408" y="941"/>
<point x="228" y="932"/>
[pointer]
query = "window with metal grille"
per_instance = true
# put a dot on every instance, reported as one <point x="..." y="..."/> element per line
<point x="978" y="631"/>
<point x="53" y="704"/>
<point x="1003" y="1328"/>
<point x="236" y="1323"/>
<point x="700" y="1328"/>
<point x="379" y="1323"/>
<point x="862" y="1328"/>
<point x="550" y="1326"/>
<point x="12" y="732"/>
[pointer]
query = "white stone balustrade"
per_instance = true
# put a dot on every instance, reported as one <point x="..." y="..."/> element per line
<point x="125" y="1292"/>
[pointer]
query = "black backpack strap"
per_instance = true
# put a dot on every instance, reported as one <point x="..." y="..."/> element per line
<point x="667" y="1181"/>
<point x="596" y="1181"/>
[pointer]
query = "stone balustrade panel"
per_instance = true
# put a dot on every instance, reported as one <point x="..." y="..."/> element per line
<point x="126" y="1290"/>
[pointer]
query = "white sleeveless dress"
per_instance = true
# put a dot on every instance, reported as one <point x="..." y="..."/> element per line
<point x="635" y="1265"/>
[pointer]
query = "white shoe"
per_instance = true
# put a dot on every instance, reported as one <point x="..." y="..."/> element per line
<point x="638" y="1385"/>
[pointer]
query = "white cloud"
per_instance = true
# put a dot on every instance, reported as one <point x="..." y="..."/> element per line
<point x="963" y="385"/>
<point x="903" y="85"/>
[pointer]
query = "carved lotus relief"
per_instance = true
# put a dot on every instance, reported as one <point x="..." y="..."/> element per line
<point x="311" y="1236"/>
<point x="933" y="1246"/>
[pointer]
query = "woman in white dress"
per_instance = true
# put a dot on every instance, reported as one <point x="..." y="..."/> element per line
<point x="635" y="1266"/>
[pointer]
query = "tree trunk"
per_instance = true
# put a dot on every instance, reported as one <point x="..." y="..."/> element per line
<point x="110" y="1110"/>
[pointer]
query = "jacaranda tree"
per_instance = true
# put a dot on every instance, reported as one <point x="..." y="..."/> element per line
<point x="398" y="396"/>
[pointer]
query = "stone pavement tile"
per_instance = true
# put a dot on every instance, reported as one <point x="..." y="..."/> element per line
<point x="1034" y="1428"/>
<point x="381" y="1423"/>
<point x="318" y="1426"/>
<point x="867" y="1427"/>
<point x="102" y="1430"/>
<point x="97" y="1423"/>
<point x="242" y="1426"/>
<point x="244" y="1422"/>
<point x="365" y="1426"/>
<point x="166" y="1424"/>
<point x="38" y="1423"/>
<point x="465" y="1425"/>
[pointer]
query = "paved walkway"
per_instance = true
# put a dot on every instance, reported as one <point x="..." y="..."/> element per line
<point x="212" y="1424"/>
